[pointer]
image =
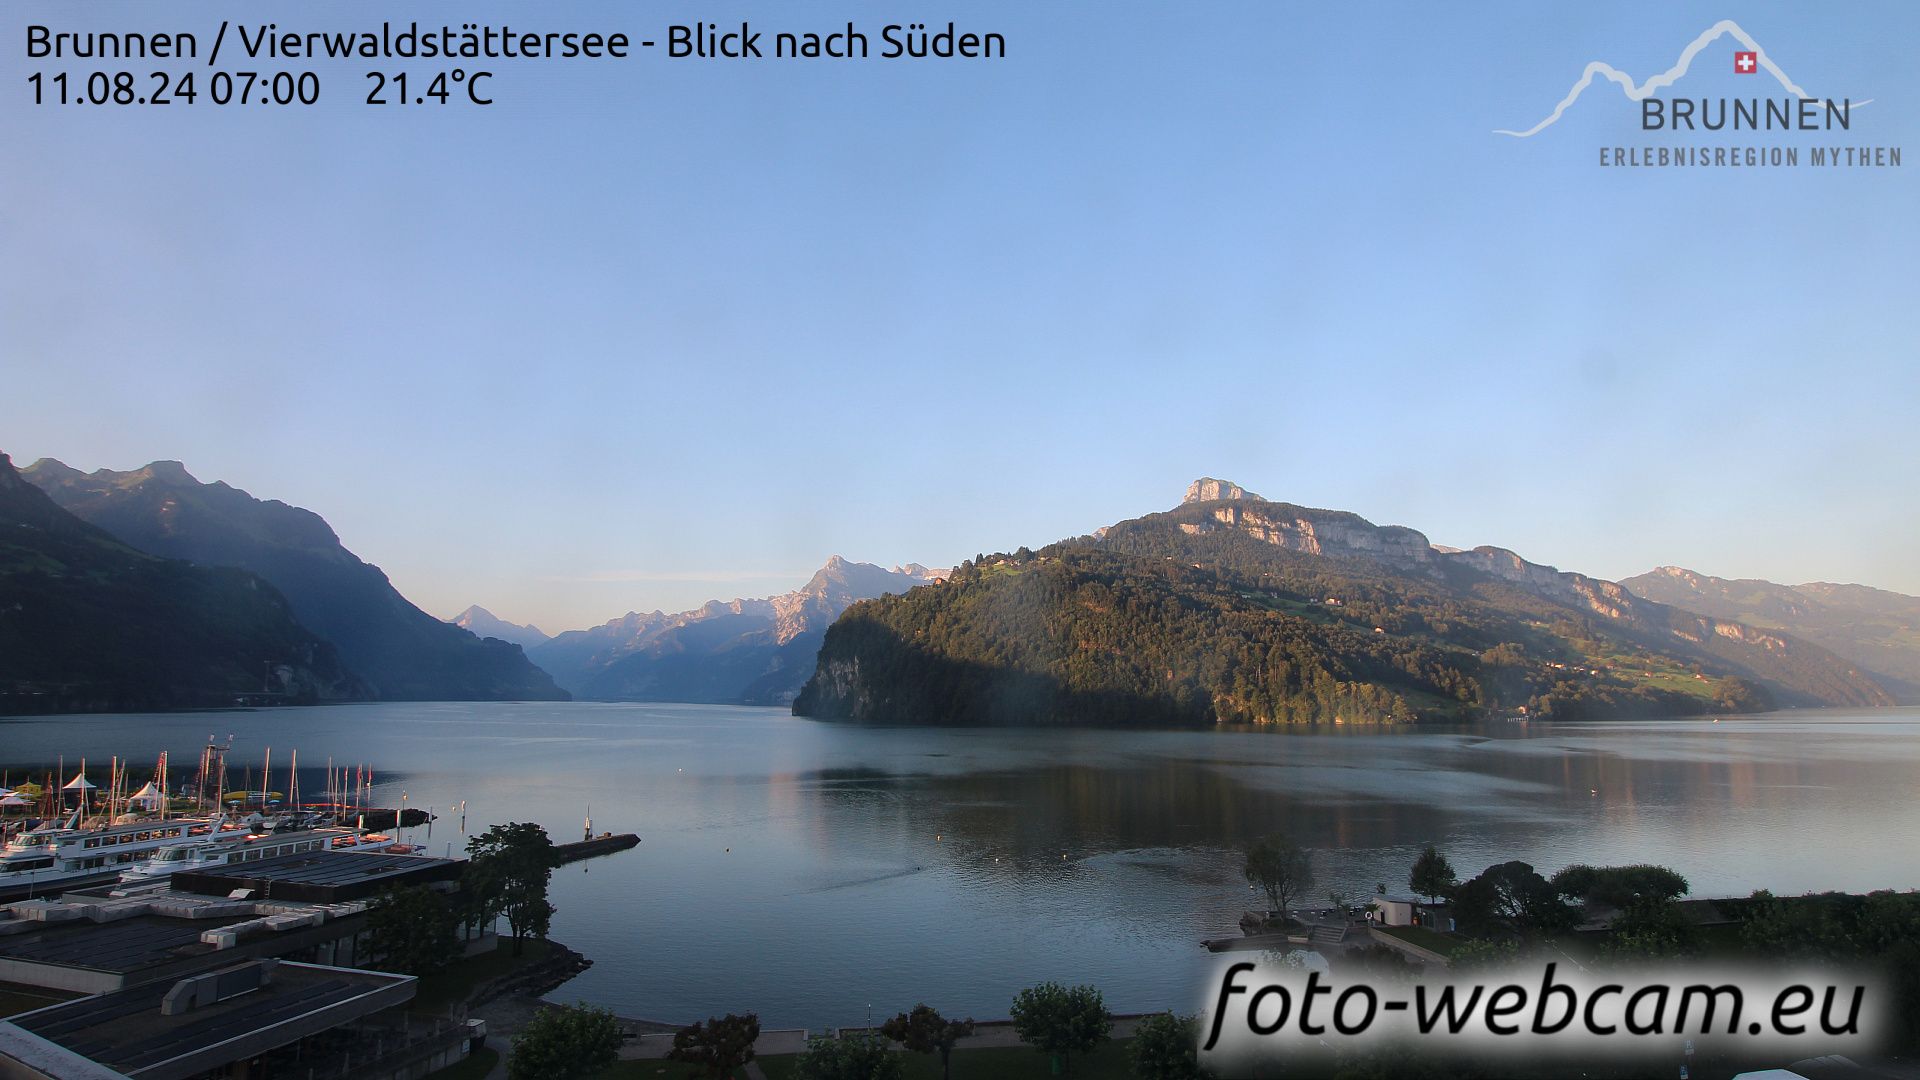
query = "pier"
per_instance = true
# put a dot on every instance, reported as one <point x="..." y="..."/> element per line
<point x="604" y="844"/>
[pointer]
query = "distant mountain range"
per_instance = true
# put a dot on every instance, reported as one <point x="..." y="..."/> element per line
<point x="1874" y="628"/>
<point x="1232" y="608"/>
<point x="484" y="623"/>
<point x="149" y="589"/>
<point x="752" y="652"/>
<point x="398" y="651"/>
<point x="88" y="623"/>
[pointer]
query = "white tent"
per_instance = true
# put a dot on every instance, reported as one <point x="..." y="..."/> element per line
<point x="78" y="783"/>
<point x="14" y="800"/>
<point x="148" y="795"/>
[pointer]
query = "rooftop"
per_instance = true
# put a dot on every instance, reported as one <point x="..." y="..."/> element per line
<point x="167" y="1030"/>
<point x="321" y="876"/>
<point x="124" y="946"/>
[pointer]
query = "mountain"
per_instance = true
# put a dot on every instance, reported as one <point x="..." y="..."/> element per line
<point x="1876" y="629"/>
<point x="752" y="652"/>
<point x="403" y="653"/>
<point x="88" y="623"/>
<point x="1232" y="608"/>
<point x="483" y="623"/>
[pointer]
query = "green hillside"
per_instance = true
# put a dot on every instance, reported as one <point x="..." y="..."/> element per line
<point x="1264" y="613"/>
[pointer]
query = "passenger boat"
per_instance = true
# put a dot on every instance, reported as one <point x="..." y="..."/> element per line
<point x="221" y="851"/>
<point x="53" y="859"/>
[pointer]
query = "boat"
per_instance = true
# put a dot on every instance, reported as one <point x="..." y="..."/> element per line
<point x="257" y="843"/>
<point x="144" y="844"/>
<point x="52" y="859"/>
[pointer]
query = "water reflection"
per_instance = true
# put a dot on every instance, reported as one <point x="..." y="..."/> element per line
<point x="806" y="869"/>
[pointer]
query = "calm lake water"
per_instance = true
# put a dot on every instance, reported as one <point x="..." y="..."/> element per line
<point x="806" y="870"/>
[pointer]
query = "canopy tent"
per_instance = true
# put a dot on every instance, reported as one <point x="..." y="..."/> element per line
<point x="14" y="800"/>
<point x="148" y="795"/>
<point x="78" y="783"/>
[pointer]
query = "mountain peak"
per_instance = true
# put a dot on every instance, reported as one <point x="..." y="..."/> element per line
<point x="1208" y="489"/>
<point x="483" y="623"/>
<point x="171" y="472"/>
<point x="52" y="468"/>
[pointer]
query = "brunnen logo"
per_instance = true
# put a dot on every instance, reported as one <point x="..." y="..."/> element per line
<point x="1795" y="110"/>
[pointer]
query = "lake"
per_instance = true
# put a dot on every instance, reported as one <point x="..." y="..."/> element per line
<point x="807" y="870"/>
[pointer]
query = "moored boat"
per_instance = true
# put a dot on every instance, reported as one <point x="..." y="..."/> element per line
<point x="53" y="859"/>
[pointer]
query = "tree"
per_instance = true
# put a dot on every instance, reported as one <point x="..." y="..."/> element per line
<point x="508" y="870"/>
<point x="1652" y="928"/>
<point x="854" y="1057"/>
<point x="925" y="1031"/>
<point x="1166" y="1047"/>
<point x="1057" y="1020"/>
<point x="1432" y="875"/>
<point x="564" y="1043"/>
<point x="1619" y="886"/>
<point x="1282" y="868"/>
<point x="1511" y="898"/>
<point x="413" y="931"/>
<point x="718" y="1046"/>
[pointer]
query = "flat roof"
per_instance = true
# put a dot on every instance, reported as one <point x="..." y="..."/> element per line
<point x="322" y="876"/>
<point x="122" y="946"/>
<point x="126" y="1031"/>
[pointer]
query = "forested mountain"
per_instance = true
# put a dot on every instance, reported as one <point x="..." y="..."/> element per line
<point x="1877" y="629"/>
<point x="483" y="623"/>
<point x="1234" y="609"/>
<point x="88" y="623"/>
<point x="401" y="652"/>
<point x="748" y="652"/>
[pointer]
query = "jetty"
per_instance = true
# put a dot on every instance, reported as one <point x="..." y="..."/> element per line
<point x="594" y="847"/>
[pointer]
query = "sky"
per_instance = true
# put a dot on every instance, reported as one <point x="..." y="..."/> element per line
<point x="649" y="332"/>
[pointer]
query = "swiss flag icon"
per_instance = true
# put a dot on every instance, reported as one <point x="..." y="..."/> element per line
<point x="1746" y="63"/>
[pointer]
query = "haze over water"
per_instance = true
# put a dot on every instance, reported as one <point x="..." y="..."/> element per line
<point x="805" y="869"/>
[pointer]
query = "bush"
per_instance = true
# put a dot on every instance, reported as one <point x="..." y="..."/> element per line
<point x="857" y="1057"/>
<point x="565" y="1043"/>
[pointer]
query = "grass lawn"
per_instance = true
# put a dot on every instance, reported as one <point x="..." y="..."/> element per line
<point x="992" y="1063"/>
<point x="475" y="1067"/>
<point x="453" y="985"/>
<point x="1444" y="944"/>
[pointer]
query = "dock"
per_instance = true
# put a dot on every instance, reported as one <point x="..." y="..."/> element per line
<point x="604" y="844"/>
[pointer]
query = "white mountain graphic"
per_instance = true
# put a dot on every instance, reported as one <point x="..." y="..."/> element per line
<point x="1666" y="78"/>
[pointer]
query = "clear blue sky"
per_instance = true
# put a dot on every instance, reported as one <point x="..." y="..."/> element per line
<point x="651" y="332"/>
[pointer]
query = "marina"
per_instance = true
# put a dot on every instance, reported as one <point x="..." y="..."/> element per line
<point x="90" y="839"/>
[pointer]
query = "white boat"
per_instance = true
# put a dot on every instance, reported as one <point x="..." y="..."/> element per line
<point x="53" y="859"/>
<point x="219" y="852"/>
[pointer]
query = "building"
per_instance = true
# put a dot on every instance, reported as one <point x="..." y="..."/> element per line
<point x="260" y="1017"/>
<point x="1404" y="911"/>
<point x="242" y="975"/>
